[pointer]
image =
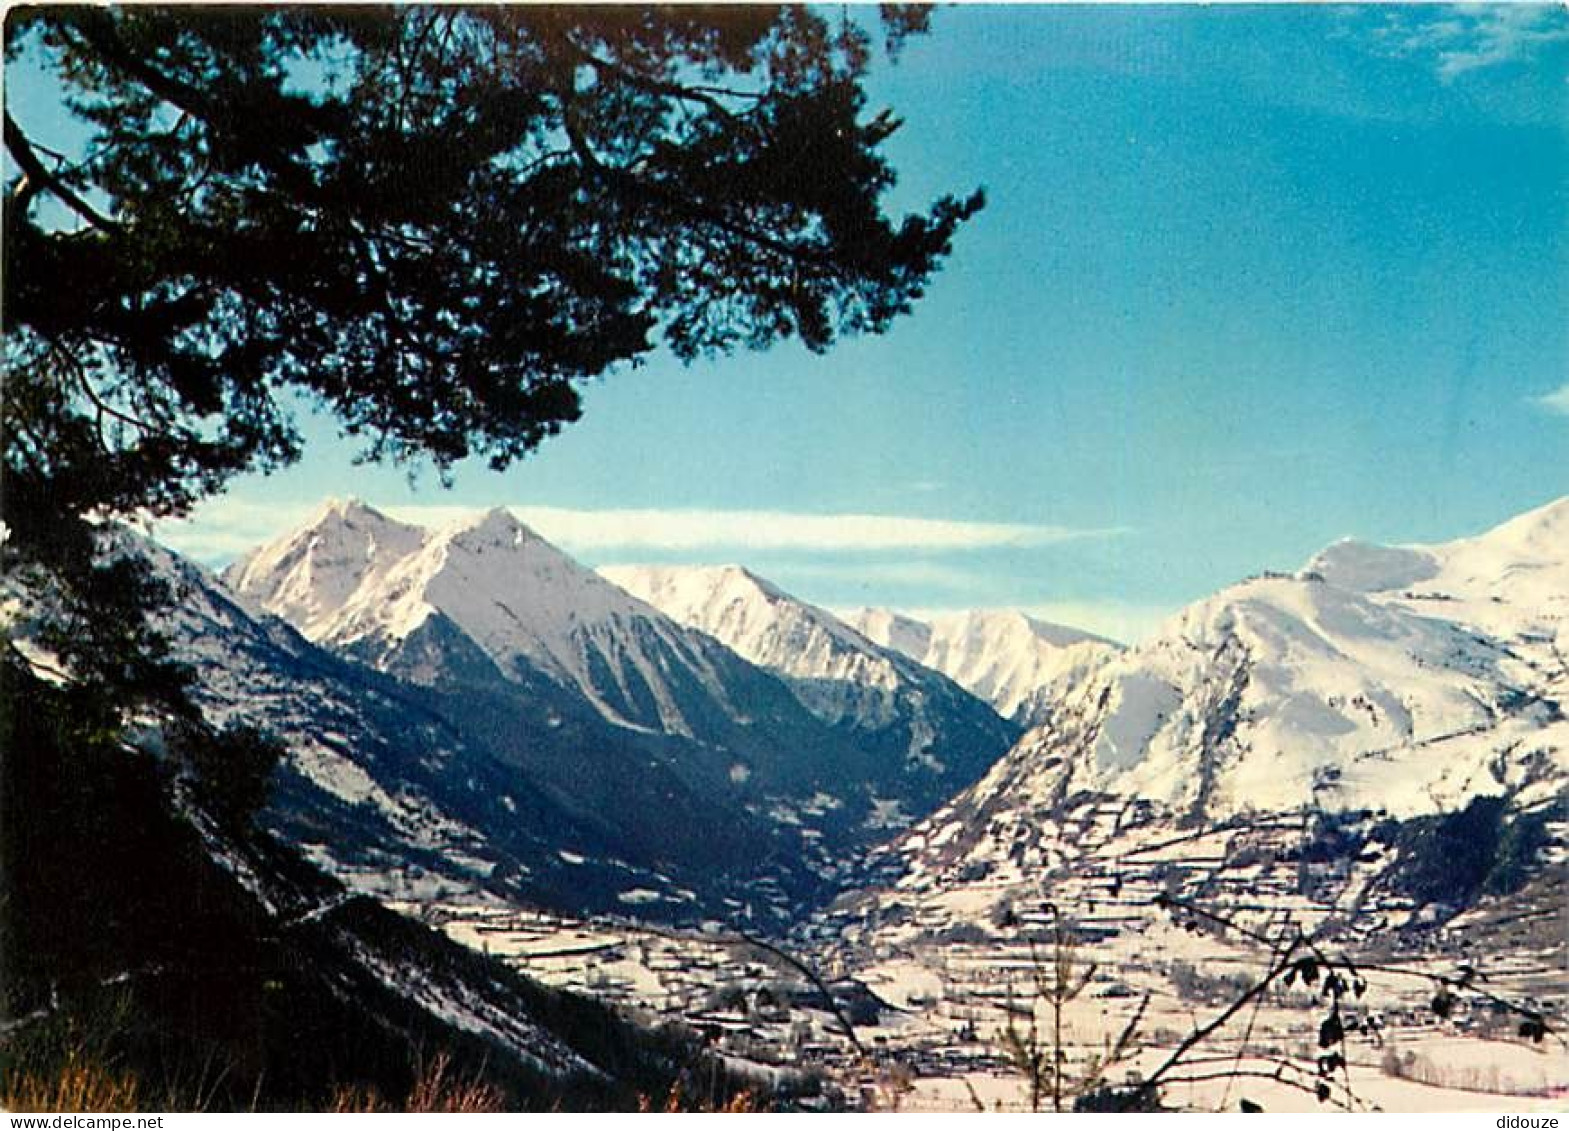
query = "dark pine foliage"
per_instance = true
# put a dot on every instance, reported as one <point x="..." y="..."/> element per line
<point x="436" y="223"/>
<point x="1483" y="848"/>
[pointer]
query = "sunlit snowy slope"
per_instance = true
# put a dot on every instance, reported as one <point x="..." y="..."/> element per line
<point x="1400" y="681"/>
<point x="1372" y="749"/>
<point x="411" y="789"/>
<point x="1020" y="665"/>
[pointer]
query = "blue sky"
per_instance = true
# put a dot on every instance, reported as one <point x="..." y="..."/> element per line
<point x="1250" y="280"/>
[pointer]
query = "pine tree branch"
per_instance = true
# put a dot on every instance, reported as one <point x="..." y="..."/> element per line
<point x="651" y="85"/>
<point x="34" y="174"/>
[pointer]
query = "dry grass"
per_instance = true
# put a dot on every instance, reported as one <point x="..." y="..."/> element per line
<point x="437" y="1090"/>
<point x="676" y="1102"/>
<point x="78" y="1085"/>
<point x="357" y="1100"/>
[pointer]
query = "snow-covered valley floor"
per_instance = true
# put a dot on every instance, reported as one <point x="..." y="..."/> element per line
<point x="930" y="1017"/>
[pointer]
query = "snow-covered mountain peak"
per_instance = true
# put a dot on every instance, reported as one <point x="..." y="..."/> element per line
<point x="891" y="629"/>
<point x="1523" y="563"/>
<point x="513" y="593"/>
<point x="693" y="587"/>
<point x="1537" y="534"/>
<point x="1017" y="663"/>
<point x="353" y="522"/>
<point x="310" y="574"/>
<point x="486" y="610"/>
<point x="756" y="618"/>
<point x="486" y="596"/>
<point x="833" y="670"/>
<point x="346" y="507"/>
<point x="736" y="574"/>
<point x="976" y="625"/>
<point x="1276" y="613"/>
<point x="1393" y="681"/>
<point x="739" y="579"/>
<point x="1536" y="540"/>
<point x="354" y="574"/>
<point x="1361" y="682"/>
<point x="1365" y="567"/>
<point x="497" y="527"/>
<point x="499" y="559"/>
<point x="1513" y="578"/>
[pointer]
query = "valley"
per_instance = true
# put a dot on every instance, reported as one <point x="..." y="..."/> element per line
<point x="931" y="982"/>
<point x="741" y="558"/>
<point x="1364" y="759"/>
<point x="1305" y="845"/>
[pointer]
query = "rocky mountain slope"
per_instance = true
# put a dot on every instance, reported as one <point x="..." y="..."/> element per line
<point x="878" y="697"/>
<point x="394" y="780"/>
<point x="1020" y="665"/>
<point x="388" y="594"/>
<point x="1288" y="719"/>
<point x="668" y="756"/>
<point x="166" y="949"/>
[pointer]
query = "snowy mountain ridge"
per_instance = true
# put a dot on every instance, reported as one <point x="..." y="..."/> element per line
<point x="486" y="611"/>
<point x="1511" y="579"/>
<point x="1284" y="752"/>
<point x="356" y="580"/>
<point x="883" y="698"/>
<point x="1399" y="678"/>
<point x="1017" y="663"/>
<point x="308" y="577"/>
<point x="763" y="624"/>
<point x="1395" y="680"/>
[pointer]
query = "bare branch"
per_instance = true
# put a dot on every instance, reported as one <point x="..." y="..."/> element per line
<point x="816" y="980"/>
<point x="1283" y="961"/>
<point x="74" y="365"/>
<point x="1278" y="1076"/>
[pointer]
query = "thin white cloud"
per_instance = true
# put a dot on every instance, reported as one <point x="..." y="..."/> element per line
<point x="227" y="526"/>
<point x="690" y="530"/>
<point x="1474" y="38"/>
<point x="1556" y="402"/>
